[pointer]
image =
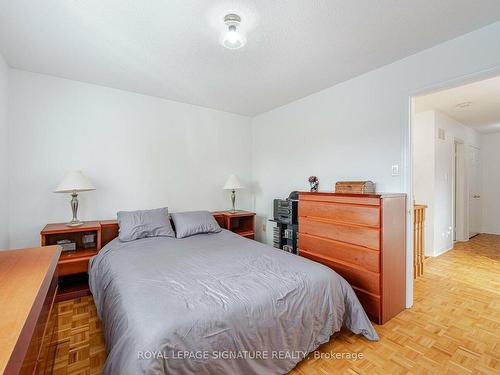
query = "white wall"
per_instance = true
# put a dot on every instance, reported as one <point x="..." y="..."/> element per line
<point x="490" y="159"/>
<point x="424" y="160"/>
<point x="4" y="200"/>
<point x="139" y="151"/>
<point x="358" y="128"/>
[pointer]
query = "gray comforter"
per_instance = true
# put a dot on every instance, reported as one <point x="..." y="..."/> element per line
<point x="216" y="304"/>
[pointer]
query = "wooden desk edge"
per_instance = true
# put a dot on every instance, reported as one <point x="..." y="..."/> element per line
<point x="18" y="352"/>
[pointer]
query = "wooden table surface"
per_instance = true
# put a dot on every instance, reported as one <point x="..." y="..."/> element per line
<point x="25" y="277"/>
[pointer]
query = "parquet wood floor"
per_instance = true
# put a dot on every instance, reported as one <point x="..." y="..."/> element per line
<point x="80" y="343"/>
<point x="453" y="327"/>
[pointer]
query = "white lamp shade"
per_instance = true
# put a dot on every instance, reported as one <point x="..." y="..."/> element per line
<point x="74" y="181"/>
<point x="233" y="183"/>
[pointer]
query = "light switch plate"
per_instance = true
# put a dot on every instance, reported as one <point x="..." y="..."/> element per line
<point x="395" y="170"/>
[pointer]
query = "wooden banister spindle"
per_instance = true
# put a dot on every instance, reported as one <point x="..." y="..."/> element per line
<point x="418" y="239"/>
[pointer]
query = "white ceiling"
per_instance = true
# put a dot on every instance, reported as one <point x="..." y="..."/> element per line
<point x="170" y="48"/>
<point x="476" y="105"/>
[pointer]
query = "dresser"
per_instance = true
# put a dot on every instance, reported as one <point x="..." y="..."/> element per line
<point x="362" y="237"/>
<point x="28" y="285"/>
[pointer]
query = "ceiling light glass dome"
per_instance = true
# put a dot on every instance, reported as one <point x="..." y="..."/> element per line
<point x="233" y="39"/>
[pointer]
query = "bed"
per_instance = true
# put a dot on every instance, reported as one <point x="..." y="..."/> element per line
<point x="216" y="304"/>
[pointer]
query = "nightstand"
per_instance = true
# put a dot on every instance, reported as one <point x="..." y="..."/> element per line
<point x="240" y="222"/>
<point x="73" y="265"/>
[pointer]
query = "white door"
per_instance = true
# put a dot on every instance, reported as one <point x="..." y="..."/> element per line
<point x="474" y="191"/>
<point x="461" y="200"/>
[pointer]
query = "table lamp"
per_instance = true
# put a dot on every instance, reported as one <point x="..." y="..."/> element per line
<point x="73" y="183"/>
<point x="233" y="184"/>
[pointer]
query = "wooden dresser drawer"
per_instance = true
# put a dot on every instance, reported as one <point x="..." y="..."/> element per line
<point x="371" y="304"/>
<point x="357" y="235"/>
<point x="72" y="266"/>
<point x="359" y="256"/>
<point x="369" y="281"/>
<point x="341" y="198"/>
<point x="347" y="213"/>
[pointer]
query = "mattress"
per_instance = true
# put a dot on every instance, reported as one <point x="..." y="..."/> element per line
<point x="216" y="304"/>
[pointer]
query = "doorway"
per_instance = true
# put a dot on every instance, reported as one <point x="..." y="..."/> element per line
<point x="459" y="193"/>
<point x="447" y="130"/>
<point x="475" y="206"/>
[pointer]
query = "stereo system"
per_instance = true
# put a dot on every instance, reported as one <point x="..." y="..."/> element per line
<point x="285" y="215"/>
<point x="285" y="211"/>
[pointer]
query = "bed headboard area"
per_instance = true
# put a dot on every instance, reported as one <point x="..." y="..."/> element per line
<point x="109" y="231"/>
<point x="109" y="228"/>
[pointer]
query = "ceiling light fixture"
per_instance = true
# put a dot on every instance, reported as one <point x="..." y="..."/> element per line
<point x="233" y="39"/>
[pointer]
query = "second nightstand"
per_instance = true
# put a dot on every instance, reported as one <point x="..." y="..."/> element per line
<point x="240" y="222"/>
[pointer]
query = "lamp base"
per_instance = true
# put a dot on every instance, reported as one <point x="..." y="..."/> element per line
<point x="233" y="199"/>
<point x="74" y="207"/>
<point x="75" y="223"/>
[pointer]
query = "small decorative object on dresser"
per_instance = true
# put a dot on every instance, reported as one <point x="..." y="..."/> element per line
<point x="355" y="187"/>
<point x="233" y="184"/>
<point x="73" y="183"/>
<point x="314" y="182"/>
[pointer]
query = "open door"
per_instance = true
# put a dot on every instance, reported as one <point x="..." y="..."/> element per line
<point x="460" y="199"/>
<point x="474" y="191"/>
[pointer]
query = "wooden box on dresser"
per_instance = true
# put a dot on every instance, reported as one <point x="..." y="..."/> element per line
<point x="362" y="238"/>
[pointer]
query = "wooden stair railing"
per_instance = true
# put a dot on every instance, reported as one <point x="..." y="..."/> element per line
<point x="418" y="239"/>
